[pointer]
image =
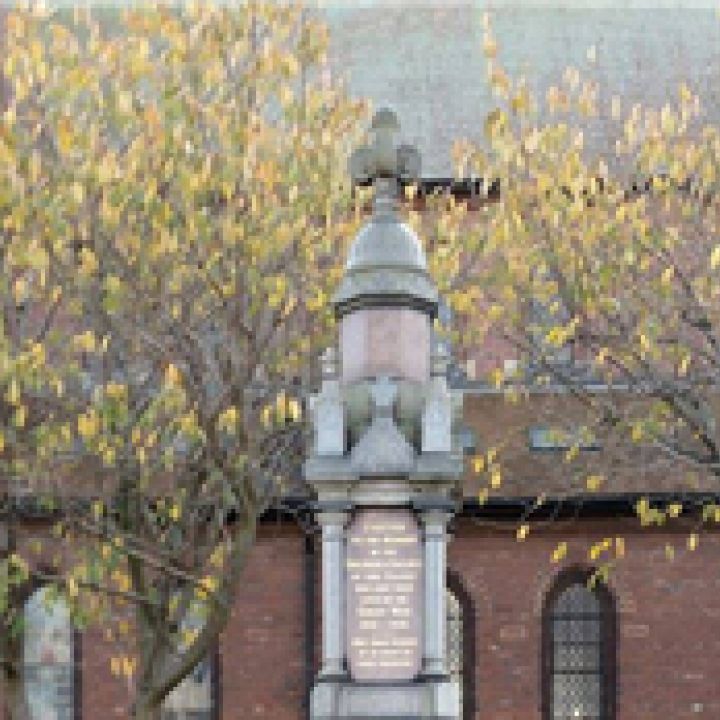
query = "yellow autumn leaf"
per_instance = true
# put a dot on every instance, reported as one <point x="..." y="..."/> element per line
<point x="560" y="552"/>
<point x="294" y="409"/>
<point x="715" y="258"/>
<point x="228" y="419"/>
<point x="692" y="541"/>
<point x="209" y="583"/>
<point x="598" y="548"/>
<point x="172" y="375"/>
<point x="266" y="415"/>
<point x="495" y="478"/>
<point x="64" y="135"/>
<point x="522" y="532"/>
<point x="572" y="453"/>
<point x="88" y="425"/>
<point x="72" y="586"/>
<point x="684" y="365"/>
<point x="13" y="392"/>
<point x="20" y="416"/>
<point x="128" y="666"/>
<point x="20" y="289"/>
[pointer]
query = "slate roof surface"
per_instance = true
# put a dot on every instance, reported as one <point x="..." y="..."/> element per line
<point x="424" y="59"/>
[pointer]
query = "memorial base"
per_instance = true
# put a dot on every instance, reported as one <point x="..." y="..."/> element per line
<point x="428" y="700"/>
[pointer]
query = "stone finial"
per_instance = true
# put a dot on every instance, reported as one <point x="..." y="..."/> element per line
<point x="384" y="157"/>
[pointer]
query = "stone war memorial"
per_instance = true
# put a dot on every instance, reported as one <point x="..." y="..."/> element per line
<point x="385" y="466"/>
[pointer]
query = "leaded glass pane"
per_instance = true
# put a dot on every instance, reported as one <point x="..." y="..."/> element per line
<point x="192" y="698"/>
<point x="576" y="655"/>
<point x="572" y="657"/>
<point x="576" y="697"/>
<point x="576" y="630"/>
<point x="48" y="669"/>
<point x="577" y="599"/>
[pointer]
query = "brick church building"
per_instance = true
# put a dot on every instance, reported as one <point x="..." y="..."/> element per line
<point x="526" y="639"/>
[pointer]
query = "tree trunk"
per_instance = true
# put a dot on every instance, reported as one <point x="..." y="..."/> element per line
<point x="13" y="691"/>
<point x="145" y="711"/>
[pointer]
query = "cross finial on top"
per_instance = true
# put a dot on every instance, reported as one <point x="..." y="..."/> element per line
<point x="384" y="157"/>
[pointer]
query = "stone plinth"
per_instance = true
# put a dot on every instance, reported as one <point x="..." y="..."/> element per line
<point x="385" y="341"/>
<point x="408" y="701"/>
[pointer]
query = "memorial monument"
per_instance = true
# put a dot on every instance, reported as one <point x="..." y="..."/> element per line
<point x="385" y="464"/>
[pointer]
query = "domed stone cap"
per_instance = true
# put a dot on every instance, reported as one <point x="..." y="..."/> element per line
<point x="386" y="266"/>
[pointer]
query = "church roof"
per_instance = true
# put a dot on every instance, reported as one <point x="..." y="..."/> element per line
<point x="424" y="59"/>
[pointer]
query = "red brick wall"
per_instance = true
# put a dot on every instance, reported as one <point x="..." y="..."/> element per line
<point x="262" y="672"/>
<point x="262" y="659"/>
<point x="668" y="624"/>
<point x="668" y="617"/>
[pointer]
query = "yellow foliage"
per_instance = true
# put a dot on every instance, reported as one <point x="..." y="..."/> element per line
<point x="227" y="420"/>
<point x="72" y="586"/>
<point x="294" y="410"/>
<point x="715" y="258"/>
<point x="560" y="552"/>
<point x="173" y="377"/>
<point x="88" y="425"/>
<point x="20" y="416"/>
<point x="619" y="547"/>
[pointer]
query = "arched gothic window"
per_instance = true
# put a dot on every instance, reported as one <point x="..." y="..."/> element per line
<point x="460" y="642"/>
<point x="454" y="640"/>
<point x="194" y="697"/>
<point x="49" y="658"/>
<point x="579" y="650"/>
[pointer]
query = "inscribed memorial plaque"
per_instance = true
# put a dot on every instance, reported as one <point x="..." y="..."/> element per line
<point x="384" y="591"/>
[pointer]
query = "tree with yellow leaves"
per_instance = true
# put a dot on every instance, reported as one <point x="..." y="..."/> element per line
<point x="604" y="271"/>
<point x="182" y="170"/>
